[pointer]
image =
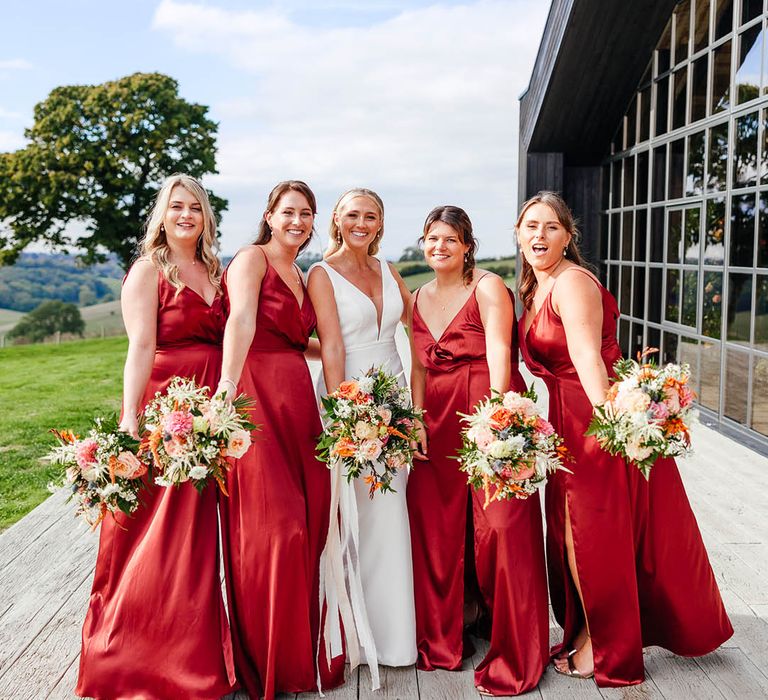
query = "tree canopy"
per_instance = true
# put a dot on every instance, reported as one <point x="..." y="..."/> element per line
<point x="97" y="155"/>
<point x="48" y="318"/>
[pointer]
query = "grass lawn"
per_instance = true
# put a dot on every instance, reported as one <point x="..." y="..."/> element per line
<point x="47" y="386"/>
<point x="413" y="282"/>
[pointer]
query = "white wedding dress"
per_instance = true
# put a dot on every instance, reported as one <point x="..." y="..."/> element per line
<point x="384" y="542"/>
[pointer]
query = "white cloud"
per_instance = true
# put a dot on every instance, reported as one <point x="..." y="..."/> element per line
<point x="15" y="64"/>
<point x="11" y="141"/>
<point x="422" y="106"/>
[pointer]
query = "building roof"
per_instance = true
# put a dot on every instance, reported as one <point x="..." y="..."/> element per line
<point x="592" y="56"/>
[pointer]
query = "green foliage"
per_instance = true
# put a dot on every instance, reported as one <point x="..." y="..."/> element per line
<point x="97" y="154"/>
<point x="412" y="252"/>
<point x="37" y="277"/>
<point x="49" y="318"/>
<point x="413" y="269"/>
<point x="47" y="386"/>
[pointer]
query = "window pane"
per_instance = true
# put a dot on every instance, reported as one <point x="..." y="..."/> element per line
<point x="632" y="123"/>
<point x="739" y="307"/>
<point x="672" y="312"/>
<point x="748" y="67"/>
<point x="701" y="25"/>
<point x="762" y="231"/>
<point x="638" y="293"/>
<point x="760" y="395"/>
<point x="616" y="184"/>
<point x="625" y="304"/>
<point x="659" y="173"/>
<point x="615" y="235"/>
<point x="689" y="354"/>
<point x="721" y="78"/>
<point x="717" y="165"/>
<point x="682" y="30"/>
<point x="761" y="312"/>
<point x="654" y="294"/>
<point x="613" y="281"/>
<point x="657" y="235"/>
<point x="715" y="231"/>
<point x="709" y="395"/>
<point x="694" y="178"/>
<point x="742" y="229"/>
<point x="690" y="298"/>
<point x="699" y="89"/>
<point x="645" y="114"/>
<point x="669" y="351"/>
<point x="636" y="340"/>
<point x="691" y="235"/>
<point x="629" y="181"/>
<point x="712" y="304"/>
<point x="624" y="336"/>
<point x="626" y="236"/>
<point x="641" y="235"/>
<point x="679" y="97"/>
<point x="764" y="150"/>
<point x="676" y="168"/>
<point x="723" y="18"/>
<point x="662" y="50"/>
<point x="745" y="151"/>
<point x="735" y="386"/>
<point x="750" y="9"/>
<point x="642" y="177"/>
<point x="662" y="104"/>
<point x="674" y="236"/>
<point x="653" y="340"/>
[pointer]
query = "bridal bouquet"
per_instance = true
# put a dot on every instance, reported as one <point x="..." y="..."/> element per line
<point x="102" y="470"/>
<point x="369" y="428"/>
<point x="647" y="413"/>
<point x="508" y="449"/>
<point x="190" y="435"/>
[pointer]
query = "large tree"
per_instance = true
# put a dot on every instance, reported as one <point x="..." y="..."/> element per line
<point x="49" y="318"/>
<point x="97" y="155"/>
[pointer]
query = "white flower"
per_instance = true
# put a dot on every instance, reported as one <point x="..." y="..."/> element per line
<point x="499" y="449"/>
<point x="636" y="451"/>
<point x="238" y="443"/>
<point x="344" y="408"/>
<point x="198" y="472"/>
<point x="365" y="384"/>
<point x="108" y="490"/>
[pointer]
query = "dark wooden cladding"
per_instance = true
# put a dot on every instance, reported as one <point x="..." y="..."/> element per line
<point x="544" y="172"/>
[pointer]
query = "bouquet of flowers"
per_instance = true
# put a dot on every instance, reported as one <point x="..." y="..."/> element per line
<point x="369" y="428"/>
<point x="101" y="470"/>
<point x="190" y="435"/>
<point x="508" y="449"/>
<point x="647" y="413"/>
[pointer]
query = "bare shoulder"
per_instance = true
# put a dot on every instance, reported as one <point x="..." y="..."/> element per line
<point x="576" y="285"/>
<point x="490" y="286"/>
<point x="317" y="277"/>
<point x="248" y="260"/>
<point x="141" y="273"/>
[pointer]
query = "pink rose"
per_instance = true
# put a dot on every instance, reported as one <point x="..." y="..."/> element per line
<point x="659" y="411"/>
<point x="385" y="414"/>
<point x="672" y="399"/>
<point x="175" y="446"/>
<point x="369" y="449"/>
<point x="481" y="436"/>
<point x="544" y="427"/>
<point x="178" y="423"/>
<point x="238" y="444"/>
<point x="519" y="404"/>
<point x="129" y="466"/>
<point x="632" y="401"/>
<point x="85" y="452"/>
<point x="520" y="474"/>
<point x="686" y="396"/>
<point x="397" y="460"/>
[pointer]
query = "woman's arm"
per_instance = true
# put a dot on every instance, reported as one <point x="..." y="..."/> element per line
<point x="497" y="314"/>
<point x="576" y="299"/>
<point x="313" y="349"/>
<point x="418" y="387"/>
<point x="244" y="277"/>
<point x="332" y="351"/>
<point x="404" y="293"/>
<point x="138" y="302"/>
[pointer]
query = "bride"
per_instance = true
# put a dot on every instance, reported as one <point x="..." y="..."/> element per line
<point x="360" y="300"/>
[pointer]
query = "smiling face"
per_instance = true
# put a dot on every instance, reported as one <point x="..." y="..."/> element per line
<point x="183" y="220"/>
<point x="359" y="221"/>
<point x="541" y="237"/>
<point x="443" y="248"/>
<point x="291" y="220"/>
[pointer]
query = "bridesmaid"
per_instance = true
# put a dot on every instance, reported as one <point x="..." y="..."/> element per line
<point x="464" y="346"/>
<point x="619" y="580"/>
<point x="276" y="517"/>
<point x="156" y="625"/>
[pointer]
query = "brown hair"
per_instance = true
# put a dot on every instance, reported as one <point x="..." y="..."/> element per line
<point x="458" y="220"/>
<point x="526" y="287"/>
<point x="281" y="188"/>
<point x="334" y="233"/>
<point x="154" y="245"/>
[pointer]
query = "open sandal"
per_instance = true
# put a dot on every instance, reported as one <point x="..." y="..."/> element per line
<point x="572" y="671"/>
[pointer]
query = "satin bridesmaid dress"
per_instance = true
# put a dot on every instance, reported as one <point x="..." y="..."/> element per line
<point x="643" y="568"/>
<point x="508" y="541"/>
<point x="156" y="626"/>
<point x="275" y="520"/>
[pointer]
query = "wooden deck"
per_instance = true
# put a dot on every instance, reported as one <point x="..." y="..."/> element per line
<point x="47" y="561"/>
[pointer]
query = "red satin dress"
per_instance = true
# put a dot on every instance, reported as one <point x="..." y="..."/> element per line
<point x="156" y="626"/>
<point x="644" y="571"/>
<point x="508" y="555"/>
<point x="275" y="520"/>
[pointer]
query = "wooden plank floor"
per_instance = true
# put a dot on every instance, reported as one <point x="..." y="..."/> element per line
<point x="47" y="560"/>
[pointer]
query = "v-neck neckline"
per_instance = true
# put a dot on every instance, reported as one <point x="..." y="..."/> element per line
<point x="300" y="304"/>
<point x="201" y="297"/>
<point x="379" y="318"/>
<point x="451" y="322"/>
<point x="538" y="313"/>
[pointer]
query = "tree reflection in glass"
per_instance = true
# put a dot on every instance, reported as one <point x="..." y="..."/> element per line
<point x="692" y="228"/>
<point x="712" y="305"/>
<point x="674" y="236"/>
<point x="672" y="312"/>
<point x="715" y="232"/>
<point x="745" y="151"/>
<point x="717" y="162"/>
<point x="721" y="78"/>
<point x="689" y="298"/>
<point x="748" y="70"/>
<point x="739" y="307"/>
<point x="694" y="176"/>
<point x="742" y="230"/>
<point x="762" y="231"/>
<point x="761" y="312"/>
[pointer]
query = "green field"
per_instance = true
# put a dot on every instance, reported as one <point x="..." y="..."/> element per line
<point x="415" y="281"/>
<point x="47" y="386"/>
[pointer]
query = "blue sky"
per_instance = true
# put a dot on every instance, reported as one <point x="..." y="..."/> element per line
<point x="417" y="100"/>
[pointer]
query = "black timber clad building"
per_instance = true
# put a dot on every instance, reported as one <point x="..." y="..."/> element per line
<point x="651" y="118"/>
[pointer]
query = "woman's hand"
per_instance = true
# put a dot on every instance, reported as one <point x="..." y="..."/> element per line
<point x="130" y="424"/>
<point x="420" y="444"/>
<point x="226" y="387"/>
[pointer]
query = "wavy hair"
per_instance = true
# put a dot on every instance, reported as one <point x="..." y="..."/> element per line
<point x="334" y="233"/>
<point x="154" y="244"/>
<point x="526" y="287"/>
<point x="459" y="220"/>
<point x="265" y="232"/>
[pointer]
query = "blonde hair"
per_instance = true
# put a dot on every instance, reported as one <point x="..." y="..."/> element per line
<point x="154" y="245"/>
<point x="334" y="233"/>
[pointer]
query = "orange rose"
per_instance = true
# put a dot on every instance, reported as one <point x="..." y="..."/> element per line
<point x="128" y="466"/>
<point x="500" y="418"/>
<point x="348" y="389"/>
<point x="343" y="448"/>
